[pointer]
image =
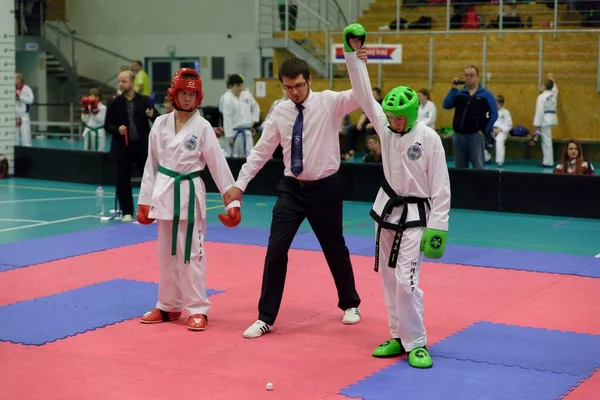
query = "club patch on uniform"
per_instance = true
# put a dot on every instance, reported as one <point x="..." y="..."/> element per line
<point x="191" y="144"/>
<point x="436" y="242"/>
<point x="414" y="152"/>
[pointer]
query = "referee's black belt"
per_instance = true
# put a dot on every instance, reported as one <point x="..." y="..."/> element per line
<point x="396" y="201"/>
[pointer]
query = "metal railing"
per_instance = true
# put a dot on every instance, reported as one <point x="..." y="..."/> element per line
<point x="436" y="23"/>
<point x="301" y="17"/>
<point x="448" y="15"/>
<point x="498" y="61"/>
<point x="60" y="116"/>
<point x="59" y="34"/>
<point x="89" y="59"/>
<point x="298" y="16"/>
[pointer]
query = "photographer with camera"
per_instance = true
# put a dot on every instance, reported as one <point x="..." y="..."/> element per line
<point x="475" y="112"/>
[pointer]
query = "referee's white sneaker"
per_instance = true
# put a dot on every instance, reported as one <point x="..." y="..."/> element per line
<point x="351" y="316"/>
<point x="257" y="329"/>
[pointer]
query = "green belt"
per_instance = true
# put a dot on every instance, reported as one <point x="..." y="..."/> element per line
<point x="176" y="206"/>
<point x="95" y="130"/>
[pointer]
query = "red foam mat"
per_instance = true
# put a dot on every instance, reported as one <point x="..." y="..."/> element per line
<point x="572" y="304"/>
<point x="309" y="355"/>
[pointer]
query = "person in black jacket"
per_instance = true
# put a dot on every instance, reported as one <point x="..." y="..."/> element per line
<point x="128" y="118"/>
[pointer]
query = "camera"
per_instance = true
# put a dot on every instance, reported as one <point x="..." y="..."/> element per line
<point x="458" y="82"/>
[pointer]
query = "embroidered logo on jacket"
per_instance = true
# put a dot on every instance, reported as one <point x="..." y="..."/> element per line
<point x="414" y="152"/>
<point x="191" y="144"/>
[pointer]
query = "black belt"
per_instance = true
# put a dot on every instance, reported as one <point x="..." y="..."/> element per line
<point x="393" y="202"/>
<point x="311" y="184"/>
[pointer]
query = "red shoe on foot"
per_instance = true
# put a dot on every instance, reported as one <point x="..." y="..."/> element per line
<point x="197" y="322"/>
<point x="156" y="316"/>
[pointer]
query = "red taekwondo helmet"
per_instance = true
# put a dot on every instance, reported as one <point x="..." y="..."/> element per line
<point x="185" y="79"/>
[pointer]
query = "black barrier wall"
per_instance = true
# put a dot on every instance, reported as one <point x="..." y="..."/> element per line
<point x="488" y="190"/>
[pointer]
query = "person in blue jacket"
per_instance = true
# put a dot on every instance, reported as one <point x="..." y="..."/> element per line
<point x="475" y="111"/>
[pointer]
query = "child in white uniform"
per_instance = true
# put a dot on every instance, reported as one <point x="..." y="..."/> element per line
<point x="181" y="144"/>
<point x="411" y="208"/>
<point x="93" y="114"/>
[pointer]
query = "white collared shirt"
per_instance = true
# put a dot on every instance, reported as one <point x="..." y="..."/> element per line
<point x="323" y="113"/>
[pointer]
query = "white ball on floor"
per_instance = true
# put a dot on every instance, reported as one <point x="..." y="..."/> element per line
<point x="269" y="386"/>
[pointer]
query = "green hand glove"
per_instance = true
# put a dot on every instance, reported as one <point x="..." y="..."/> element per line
<point x="433" y="243"/>
<point x="353" y="31"/>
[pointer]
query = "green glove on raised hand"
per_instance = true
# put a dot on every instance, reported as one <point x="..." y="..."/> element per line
<point x="353" y="31"/>
<point x="433" y="243"/>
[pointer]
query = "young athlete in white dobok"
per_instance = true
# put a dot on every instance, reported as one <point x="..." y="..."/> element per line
<point x="24" y="99"/>
<point x="93" y="114"/>
<point x="240" y="113"/>
<point x="181" y="144"/>
<point x="411" y="208"/>
<point x="545" y="119"/>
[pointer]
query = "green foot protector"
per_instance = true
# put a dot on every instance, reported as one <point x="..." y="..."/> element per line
<point x="419" y="358"/>
<point x="389" y="348"/>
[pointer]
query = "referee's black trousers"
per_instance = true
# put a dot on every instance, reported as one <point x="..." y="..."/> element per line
<point x="321" y="202"/>
<point x="134" y="154"/>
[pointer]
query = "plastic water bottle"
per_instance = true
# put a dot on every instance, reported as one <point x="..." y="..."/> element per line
<point x="99" y="201"/>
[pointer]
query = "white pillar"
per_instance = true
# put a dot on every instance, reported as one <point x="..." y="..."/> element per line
<point x="7" y="81"/>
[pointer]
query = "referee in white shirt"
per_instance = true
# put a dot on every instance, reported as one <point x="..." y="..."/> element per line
<point x="307" y="126"/>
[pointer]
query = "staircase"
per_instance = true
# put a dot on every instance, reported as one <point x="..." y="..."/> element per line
<point x="56" y="70"/>
<point x="314" y="21"/>
<point x="60" y="44"/>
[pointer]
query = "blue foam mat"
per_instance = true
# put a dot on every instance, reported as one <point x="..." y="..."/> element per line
<point x="452" y="379"/>
<point x="454" y="254"/>
<point x="20" y="254"/>
<point x="35" y="251"/>
<point x="533" y="348"/>
<point x="50" y="318"/>
<point x="490" y="361"/>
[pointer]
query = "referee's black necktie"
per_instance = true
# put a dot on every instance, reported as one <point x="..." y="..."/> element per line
<point x="297" y="142"/>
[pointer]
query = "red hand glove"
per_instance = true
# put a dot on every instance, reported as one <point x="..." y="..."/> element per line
<point x="142" y="215"/>
<point x="85" y="102"/>
<point x="232" y="218"/>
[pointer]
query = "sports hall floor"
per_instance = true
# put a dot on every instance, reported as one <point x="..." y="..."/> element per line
<point x="512" y="309"/>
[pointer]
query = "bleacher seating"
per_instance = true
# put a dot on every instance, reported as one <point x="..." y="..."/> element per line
<point x="510" y="61"/>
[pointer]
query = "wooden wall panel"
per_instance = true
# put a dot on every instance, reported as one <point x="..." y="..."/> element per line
<point x="511" y="70"/>
<point x="577" y="106"/>
<point x="57" y="10"/>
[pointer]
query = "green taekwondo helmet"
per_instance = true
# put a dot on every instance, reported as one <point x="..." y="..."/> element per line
<point x="353" y="31"/>
<point x="402" y="101"/>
